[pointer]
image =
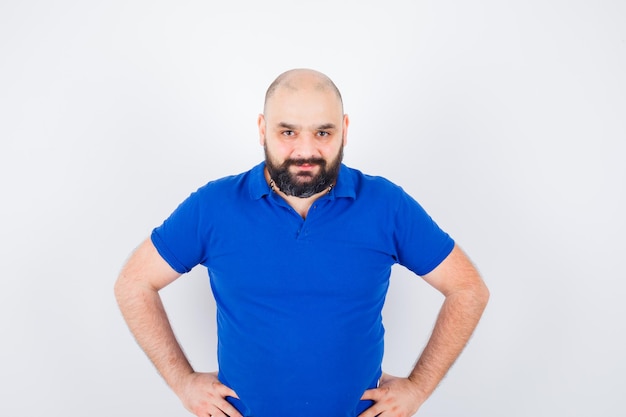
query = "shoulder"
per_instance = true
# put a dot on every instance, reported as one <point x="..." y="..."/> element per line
<point x="378" y="194"/>
<point x="371" y="186"/>
<point x="231" y="186"/>
<point x="217" y="197"/>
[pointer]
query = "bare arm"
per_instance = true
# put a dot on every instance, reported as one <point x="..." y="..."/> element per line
<point x="137" y="293"/>
<point x="466" y="296"/>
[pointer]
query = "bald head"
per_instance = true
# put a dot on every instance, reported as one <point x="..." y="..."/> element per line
<point x="301" y="79"/>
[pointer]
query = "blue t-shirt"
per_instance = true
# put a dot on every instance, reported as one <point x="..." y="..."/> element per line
<point x="298" y="300"/>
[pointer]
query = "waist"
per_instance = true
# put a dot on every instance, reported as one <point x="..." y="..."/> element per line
<point x="299" y="398"/>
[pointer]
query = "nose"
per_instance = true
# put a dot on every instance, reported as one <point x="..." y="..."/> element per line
<point x="305" y="146"/>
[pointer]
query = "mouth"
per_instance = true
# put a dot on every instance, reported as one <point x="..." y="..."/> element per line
<point x="307" y="165"/>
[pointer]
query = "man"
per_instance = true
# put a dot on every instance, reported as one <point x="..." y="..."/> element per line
<point x="299" y="252"/>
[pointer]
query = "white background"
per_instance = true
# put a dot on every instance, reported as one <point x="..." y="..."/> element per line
<point x="506" y="120"/>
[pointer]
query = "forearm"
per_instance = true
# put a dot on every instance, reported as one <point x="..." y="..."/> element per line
<point x="143" y="311"/>
<point x="455" y="324"/>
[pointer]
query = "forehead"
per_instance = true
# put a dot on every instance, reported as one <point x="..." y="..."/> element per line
<point x="313" y="103"/>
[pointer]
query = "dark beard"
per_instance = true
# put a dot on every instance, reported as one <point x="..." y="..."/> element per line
<point x="294" y="185"/>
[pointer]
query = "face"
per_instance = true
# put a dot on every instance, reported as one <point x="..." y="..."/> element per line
<point x="303" y="133"/>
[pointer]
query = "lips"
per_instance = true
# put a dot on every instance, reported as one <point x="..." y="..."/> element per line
<point x="307" y="163"/>
<point x="307" y="166"/>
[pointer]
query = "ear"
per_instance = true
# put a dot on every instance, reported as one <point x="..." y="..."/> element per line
<point x="261" y="124"/>
<point x="346" y="122"/>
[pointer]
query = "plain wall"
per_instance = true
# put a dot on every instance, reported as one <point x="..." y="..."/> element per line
<point x="506" y="120"/>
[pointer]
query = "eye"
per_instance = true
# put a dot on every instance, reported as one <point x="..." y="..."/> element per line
<point x="323" y="133"/>
<point x="287" y="133"/>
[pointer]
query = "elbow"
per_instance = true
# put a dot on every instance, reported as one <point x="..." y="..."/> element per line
<point x="119" y="289"/>
<point x="123" y="289"/>
<point x="482" y="295"/>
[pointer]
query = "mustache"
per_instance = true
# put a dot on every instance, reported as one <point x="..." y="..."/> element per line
<point x="302" y="161"/>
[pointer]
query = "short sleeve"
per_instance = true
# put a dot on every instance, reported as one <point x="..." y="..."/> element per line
<point x="179" y="238"/>
<point x="421" y="244"/>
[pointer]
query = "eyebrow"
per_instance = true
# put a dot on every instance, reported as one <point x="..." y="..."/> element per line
<point x="325" y="126"/>
<point x="286" y="125"/>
